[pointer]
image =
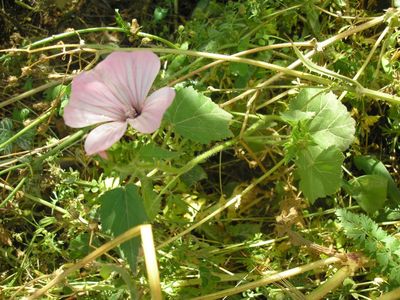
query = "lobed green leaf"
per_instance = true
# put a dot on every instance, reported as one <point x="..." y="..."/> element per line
<point x="331" y="124"/>
<point x="320" y="171"/>
<point x="197" y="117"/>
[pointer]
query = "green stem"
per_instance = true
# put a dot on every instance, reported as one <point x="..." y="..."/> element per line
<point x="157" y="38"/>
<point x="279" y="69"/>
<point x="13" y="192"/>
<point x="16" y="167"/>
<point x="24" y="5"/>
<point x="39" y="120"/>
<point x="37" y="200"/>
<point x="33" y="91"/>
<point x="380" y="95"/>
<point x="60" y="145"/>
<point x="194" y="162"/>
<point x="64" y="144"/>
<point x="166" y="137"/>
<point x="59" y="277"/>
<point x="268" y="20"/>
<point x="229" y="58"/>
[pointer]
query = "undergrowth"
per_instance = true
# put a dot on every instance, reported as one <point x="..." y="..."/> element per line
<point x="274" y="174"/>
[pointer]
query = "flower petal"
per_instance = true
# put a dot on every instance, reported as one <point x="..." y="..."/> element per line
<point x="153" y="110"/>
<point x="104" y="136"/>
<point x="130" y="75"/>
<point x="103" y="154"/>
<point x="92" y="102"/>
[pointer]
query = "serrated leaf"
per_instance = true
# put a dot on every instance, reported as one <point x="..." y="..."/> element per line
<point x="196" y="117"/>
<point x="332" y="124"/>
<point x="369" y="191"/>
<point x="120" y="210"/>
<point x="320" y="171"/>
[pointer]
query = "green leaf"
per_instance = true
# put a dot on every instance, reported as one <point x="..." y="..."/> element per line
<point x="369" y="191"/>
<point x="6" y="125"/>
<point x="60" y="92"/>
<point x="25" y="141"/>
<point x="6" y="132"/>
<point x="194" y="175"/>
<point x="79" y="247"/>
<point x="320" y="171"/>
<point x="20" y="114"/>
<point x="152" y="203"/>
<point x="120" y="210"/>
<point x="243" y="231"/>
<point x="196" y="117"/>
<point x="107" y="270"/>
<point x="241" y="72"/>
<point x="28" y="85"/>
<point x="387" y="65"/>
<point x="152" y="152"/>
<point x="160" y="13"/>
<point x="371" y="165"/>
<point x="375" y="242"/>
<point x="294" y="116"/>
<point x="313" y="18"/>
<point x="332" y="124"/>
<point x="121" y="22"/>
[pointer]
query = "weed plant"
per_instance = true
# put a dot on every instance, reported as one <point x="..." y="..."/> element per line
<point x="274" y="173"/>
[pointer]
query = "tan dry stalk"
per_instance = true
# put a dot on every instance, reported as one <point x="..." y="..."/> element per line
<point x="150" y="260"/>
<point x="392" y="295"/>
<point x="127" y="235"/>
<point x="271" y="279"/>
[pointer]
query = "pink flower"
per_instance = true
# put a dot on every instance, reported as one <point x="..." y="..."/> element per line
<point x="114" y="94"/>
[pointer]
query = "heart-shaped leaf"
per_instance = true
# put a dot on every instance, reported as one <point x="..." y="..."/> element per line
<point x="371" y="165"/>
<point x="120" y="210"/>
<point x="320" y="171"/>
<point x="369" y="191"/>
<point x="197" y="117"/>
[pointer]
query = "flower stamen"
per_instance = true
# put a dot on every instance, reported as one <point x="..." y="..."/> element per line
<point x="131" y="113"/>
